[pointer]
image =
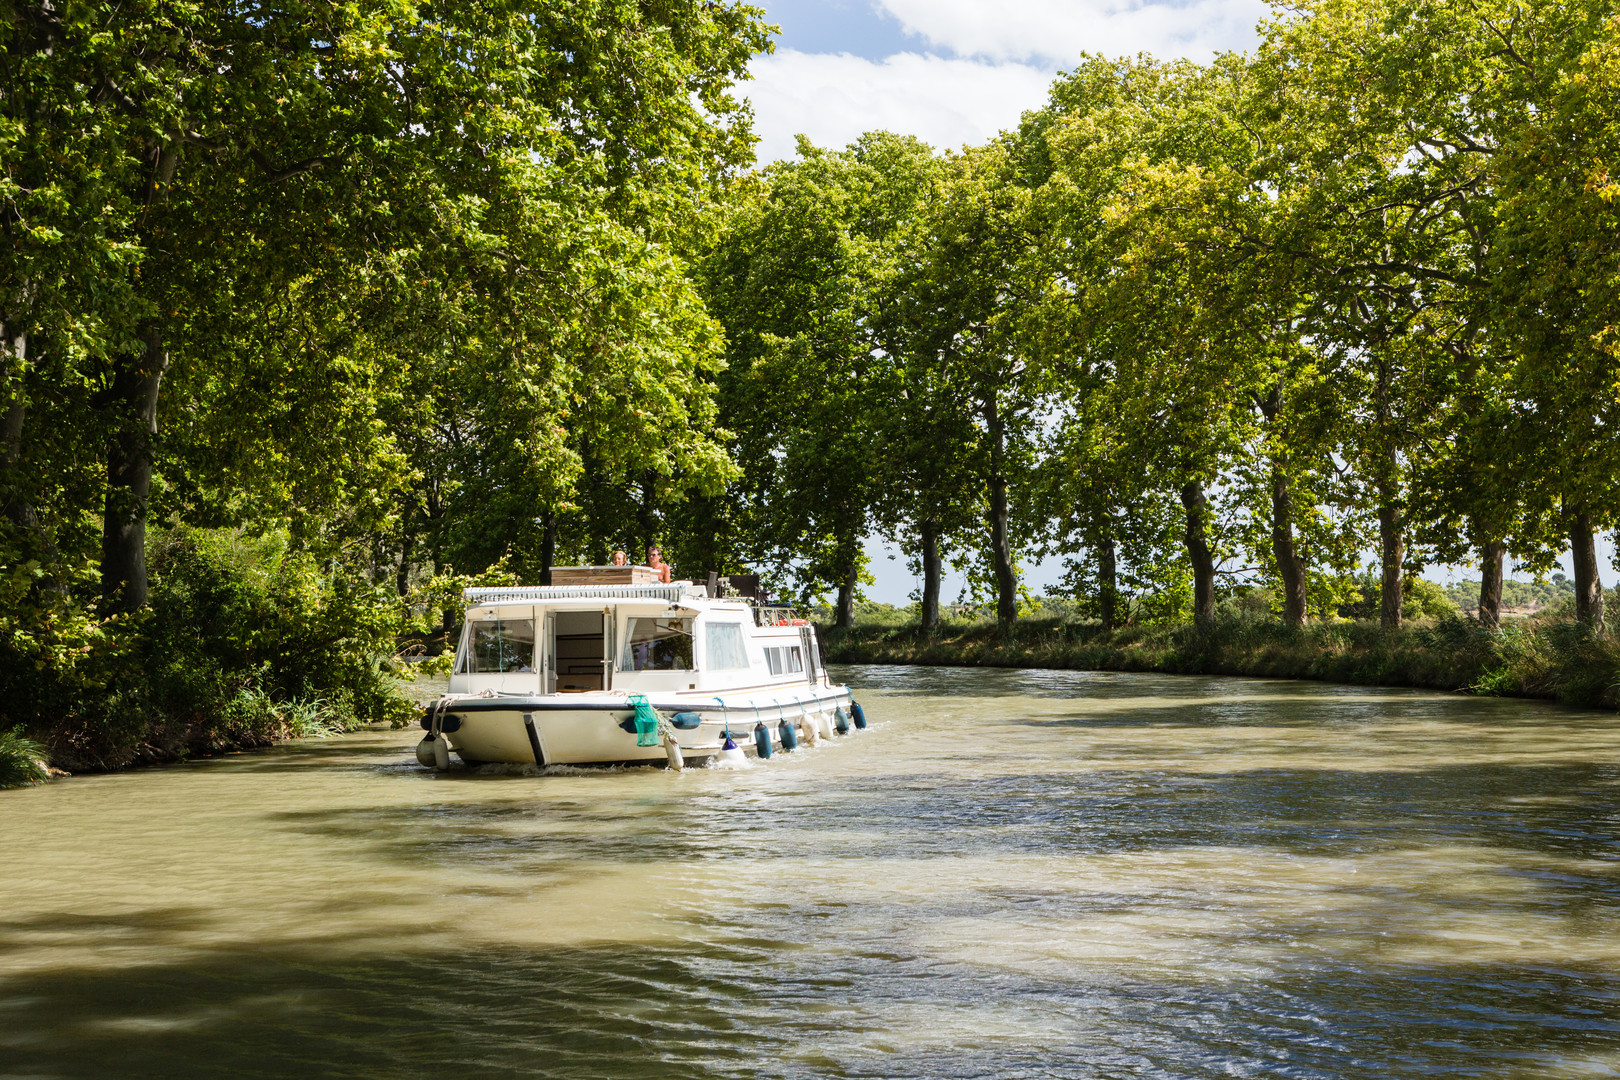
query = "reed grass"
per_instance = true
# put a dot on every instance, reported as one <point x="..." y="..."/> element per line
<point x="1549" y="657"/>
<point x="22" y="760"/>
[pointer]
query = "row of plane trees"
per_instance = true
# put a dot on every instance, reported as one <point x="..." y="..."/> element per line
<point x="1192" y="324"/>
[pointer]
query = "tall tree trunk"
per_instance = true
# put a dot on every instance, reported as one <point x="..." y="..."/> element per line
<point x="1000" y="541"/>
<point x="928" y="530"/>
<point x="1290" y="567"/>
<point x="129" y="477"/>
<point x="1391" y="514"/>
<point x="548" y="545"/>
<point x="14" y="490"/>
<point x="1203" y="560"/>
<point x="407" y="548"/>
<point x="1491" y="553"/>
<point x="1588" y="586"/>
<point x="845" y="615"/>
<point x="18" y="507"/>
<point x="1108" y="582"/>
<point x="130" y="446"/>
<point x="16" y="349"/>
<point x="434" y="511"/>
<point x="1392" y="545"/>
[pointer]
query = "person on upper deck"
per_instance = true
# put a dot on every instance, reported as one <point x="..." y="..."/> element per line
<point x="620" y="559"/>
<point x="655" y="559"/>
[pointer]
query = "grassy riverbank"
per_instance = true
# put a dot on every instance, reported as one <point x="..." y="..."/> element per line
<point x="1546" y="656"/>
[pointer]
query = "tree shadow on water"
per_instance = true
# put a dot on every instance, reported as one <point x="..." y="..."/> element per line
<point x="571" y="1012"/>
<point x="633" y="1011"/>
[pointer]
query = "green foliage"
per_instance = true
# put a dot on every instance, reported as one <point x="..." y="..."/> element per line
<point x="1424" y="599"/>
<point x="22" y="760"/>
<point x="246" y="641"/>
<point x="1521" y="595"/>
<point x="401" y="287"/>
<point x="1420" y="598"/>
<point x="799" y="274"/>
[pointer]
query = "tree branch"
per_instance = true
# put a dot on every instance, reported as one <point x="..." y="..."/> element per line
<point x="273" y="175"/>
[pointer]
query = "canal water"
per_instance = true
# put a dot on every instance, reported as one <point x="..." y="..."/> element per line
<point x="1011" y="874"/>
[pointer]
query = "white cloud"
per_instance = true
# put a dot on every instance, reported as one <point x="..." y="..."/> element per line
<point x="835" y="97"/>
<point x="1061" y="30"/>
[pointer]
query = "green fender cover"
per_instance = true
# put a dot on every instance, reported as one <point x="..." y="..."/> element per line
<point x="646" y="721"/>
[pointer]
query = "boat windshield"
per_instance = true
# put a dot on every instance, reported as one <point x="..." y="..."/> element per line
<point x="500" y="645"/>
<point x="657" y="645"/>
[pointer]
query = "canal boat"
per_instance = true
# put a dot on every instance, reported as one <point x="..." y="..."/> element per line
<point x="608" y="666"/>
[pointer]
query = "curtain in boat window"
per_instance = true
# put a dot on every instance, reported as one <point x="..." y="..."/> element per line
<point x="784" y="660"/>
<point x="724" y="648"/>
<point x="500" y="646"/>
<point x="657" y="645"/>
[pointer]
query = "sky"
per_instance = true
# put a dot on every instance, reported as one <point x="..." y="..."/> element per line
<point x="957" y="72"/>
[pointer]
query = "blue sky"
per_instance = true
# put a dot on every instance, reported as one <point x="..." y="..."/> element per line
<point x="956" y="72"/>
<point x="834" y="26"/>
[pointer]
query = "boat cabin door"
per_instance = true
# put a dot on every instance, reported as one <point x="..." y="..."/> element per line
<point x="579" y="651"/>
<point x="548" y="654"/>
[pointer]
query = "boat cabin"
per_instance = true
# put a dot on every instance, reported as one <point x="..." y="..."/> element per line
<point x="636" y="638"/>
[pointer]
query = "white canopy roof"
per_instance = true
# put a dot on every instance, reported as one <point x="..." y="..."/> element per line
<point x="673" y="593"/>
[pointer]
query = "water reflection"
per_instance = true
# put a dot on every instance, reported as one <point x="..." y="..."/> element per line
<point x="1012" y="874"/>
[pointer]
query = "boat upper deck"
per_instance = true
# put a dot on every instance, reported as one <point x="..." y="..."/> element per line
<point x="640" y="636"/>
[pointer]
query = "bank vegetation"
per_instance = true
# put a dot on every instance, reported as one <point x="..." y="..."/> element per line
<point x="1549" y="655"/>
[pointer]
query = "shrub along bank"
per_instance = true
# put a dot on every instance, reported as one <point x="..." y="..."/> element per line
<point x="246" y="641"/>
<point x="1547" y="656"/>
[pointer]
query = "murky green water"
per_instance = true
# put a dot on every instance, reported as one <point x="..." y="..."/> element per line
<point x="1011" y="874"/>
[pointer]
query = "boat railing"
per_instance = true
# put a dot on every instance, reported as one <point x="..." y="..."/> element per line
<point x="773" y="615"/>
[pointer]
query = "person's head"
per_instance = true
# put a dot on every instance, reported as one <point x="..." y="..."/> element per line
<point x="655" y="554"/>
<point x="620" y="558"/>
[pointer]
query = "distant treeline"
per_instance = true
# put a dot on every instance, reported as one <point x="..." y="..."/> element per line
<point x="347" y="305"/>
<point x="1516" y="595"/>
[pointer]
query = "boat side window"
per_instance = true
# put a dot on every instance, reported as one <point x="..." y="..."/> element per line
<point x="657" y="645"/>
<point x="784" y="660"/>
<point x="500" y="646"/>
<point x="724" y="646"/>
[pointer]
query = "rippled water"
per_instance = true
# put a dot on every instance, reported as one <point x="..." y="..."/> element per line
<point x="1011" y="874"/>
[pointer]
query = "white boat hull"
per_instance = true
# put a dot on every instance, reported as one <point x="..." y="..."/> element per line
<point x="590" y="729"/>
